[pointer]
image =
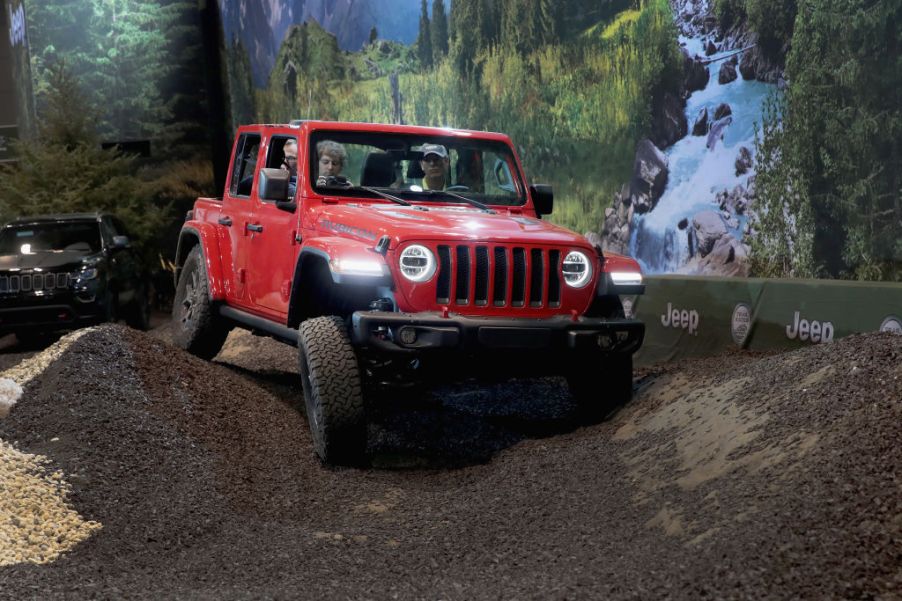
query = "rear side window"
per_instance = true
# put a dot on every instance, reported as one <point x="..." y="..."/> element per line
<point x="245" y="164"/>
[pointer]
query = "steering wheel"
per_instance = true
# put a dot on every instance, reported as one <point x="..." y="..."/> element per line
<point x="457" y="188"/>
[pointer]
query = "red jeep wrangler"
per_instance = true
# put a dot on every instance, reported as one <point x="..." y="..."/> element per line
<point x="403" y="248"/>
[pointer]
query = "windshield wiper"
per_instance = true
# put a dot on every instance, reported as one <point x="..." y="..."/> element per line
<point x="384" y="195"/>
<point x="339" y="181"/>
<point x="474" y="203"/>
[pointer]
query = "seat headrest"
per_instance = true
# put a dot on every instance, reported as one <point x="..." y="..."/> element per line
<point x="378" y="170"/>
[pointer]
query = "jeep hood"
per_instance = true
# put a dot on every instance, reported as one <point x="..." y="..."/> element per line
<point x="61" y="260"/>
<point x="370" y="222"/>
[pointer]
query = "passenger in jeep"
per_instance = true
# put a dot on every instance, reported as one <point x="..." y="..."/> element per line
<point x="435" y="166"/>
<point x="290" y="164"/>
<point x="332" y="158"/>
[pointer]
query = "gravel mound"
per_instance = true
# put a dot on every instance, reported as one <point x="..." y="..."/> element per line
<point x="740" y="477"/>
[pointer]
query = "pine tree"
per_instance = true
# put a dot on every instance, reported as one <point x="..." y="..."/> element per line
<point x="374" y="35"/>
<point x="65" y="170"/>
<point x="439" y="32"/>
<point x="424" y="39"/>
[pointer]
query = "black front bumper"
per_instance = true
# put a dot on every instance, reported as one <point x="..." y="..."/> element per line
<point x="48" y="314"/>
<point x="412" y="332"/>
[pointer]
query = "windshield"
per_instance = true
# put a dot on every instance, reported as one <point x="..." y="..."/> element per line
<point x="45" y="237"/>
<point x="415" y="168"/>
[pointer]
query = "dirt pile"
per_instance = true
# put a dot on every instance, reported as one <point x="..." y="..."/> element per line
<point x="735" y="477"/>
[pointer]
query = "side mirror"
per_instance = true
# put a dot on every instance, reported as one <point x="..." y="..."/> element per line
<point x="120" y="243"/>
<point x="273" y="185"/>
<point x="542" y="198"/>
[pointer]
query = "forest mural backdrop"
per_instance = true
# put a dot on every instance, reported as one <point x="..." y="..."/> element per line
<point x="733" y="137"/>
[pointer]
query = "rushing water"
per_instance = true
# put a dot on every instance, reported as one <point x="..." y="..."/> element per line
<point x="698" y="173"/>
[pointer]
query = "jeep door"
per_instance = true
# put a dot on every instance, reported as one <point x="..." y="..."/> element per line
<point x="274" y="246"/>
<point x="237" y="215"/>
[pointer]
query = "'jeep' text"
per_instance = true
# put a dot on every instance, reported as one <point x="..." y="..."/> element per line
<point x="815" y="331"/>
<point x="680" y="318"/>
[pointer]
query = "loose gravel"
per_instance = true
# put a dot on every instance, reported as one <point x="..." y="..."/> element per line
<point x="737" y="477"/>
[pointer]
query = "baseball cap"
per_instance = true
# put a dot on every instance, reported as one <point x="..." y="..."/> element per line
<point x="438" y="149"/>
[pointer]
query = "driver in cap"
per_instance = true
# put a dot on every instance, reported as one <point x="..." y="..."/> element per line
<point x="434" y="164"/>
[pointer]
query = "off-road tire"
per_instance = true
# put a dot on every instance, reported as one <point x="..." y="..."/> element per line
<point x="601" y="385"/>
<point x="197" y="329"/>
<point x="138" y="315"/>
<point x="333" y="392"/>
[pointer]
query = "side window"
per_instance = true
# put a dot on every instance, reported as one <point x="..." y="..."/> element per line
<point x="498" y="177"/>
<point x="245" y="164"/>
<point x="107" y="231"/>
<point x="275" y="154"/>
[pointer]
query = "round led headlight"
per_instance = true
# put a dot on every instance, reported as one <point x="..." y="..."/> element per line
<point x="577" y="269"/>
<point x="417" y="263"/>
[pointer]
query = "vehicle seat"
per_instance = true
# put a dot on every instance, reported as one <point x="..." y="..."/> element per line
<point x="378" y="170"/>
<point x="414" y="170"/>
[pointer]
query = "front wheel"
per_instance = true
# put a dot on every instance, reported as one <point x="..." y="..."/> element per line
<point x="601" y="385"/>
<point x="198" y="329"/>
<point x="333" y="394"/>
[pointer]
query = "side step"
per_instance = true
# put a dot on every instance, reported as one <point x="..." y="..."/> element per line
<point x="259" y="324"/>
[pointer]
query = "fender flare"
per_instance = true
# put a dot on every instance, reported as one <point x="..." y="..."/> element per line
<point x="204" y="235"/>
<point x="323" y="250"/>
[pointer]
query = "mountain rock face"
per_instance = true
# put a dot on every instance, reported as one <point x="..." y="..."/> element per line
<point x="262" y="24"/>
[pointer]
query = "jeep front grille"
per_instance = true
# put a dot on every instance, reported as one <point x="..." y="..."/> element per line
<point x="28" y="282"/>
<point x="480" y="274"/>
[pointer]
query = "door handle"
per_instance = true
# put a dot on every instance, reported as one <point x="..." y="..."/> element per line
<point x="254" y="227"/>
<point x="226" y="221"/>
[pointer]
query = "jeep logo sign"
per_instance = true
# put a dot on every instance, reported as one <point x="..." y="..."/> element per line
<point x="814" y="330"/>
<point x="16" y="25"/>
<point x="740" y="323"/>
<point x="680" y="318"/>
<point x="892" y="324"/>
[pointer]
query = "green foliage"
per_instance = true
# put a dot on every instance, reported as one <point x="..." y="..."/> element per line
<point x="64" y="170"/>
<point x="782" y="244"/>
<point x="729" y="12"/>
<point x="438" y="31"/>
<point x="575" y="106"/>
<point x="239" y="79"/>
<point x="773" y="21"/>
<point x="309" y="69"/>
<point x="424" y="38"/>
<point x="840" y="146"/>
<point x="381" y="59"/>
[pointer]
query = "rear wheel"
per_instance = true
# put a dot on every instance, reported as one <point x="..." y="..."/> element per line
<point x="198" y="329"/>
<point x="333" y="394"/>
<point x="601" y="385"/>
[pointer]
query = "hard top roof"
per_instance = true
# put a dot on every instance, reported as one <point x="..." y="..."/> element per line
<point x="57" y="217"/>
<point x="448" y="132"/>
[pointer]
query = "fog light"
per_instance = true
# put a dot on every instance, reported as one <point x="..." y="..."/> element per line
<point x="407" y="335"/>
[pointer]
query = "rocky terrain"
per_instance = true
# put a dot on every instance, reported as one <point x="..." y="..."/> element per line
<point x="744" y="476"/>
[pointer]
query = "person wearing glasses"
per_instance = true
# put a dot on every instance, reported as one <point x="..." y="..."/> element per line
<point x="332" y="157"/>
<point x="290" y="164"/>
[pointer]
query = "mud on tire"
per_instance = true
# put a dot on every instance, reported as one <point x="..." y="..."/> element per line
<point x="333" y="394"/>
<point x="598" y="396"/>
<point x="197" y="329"/>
